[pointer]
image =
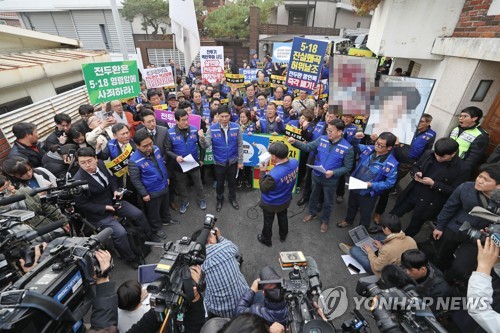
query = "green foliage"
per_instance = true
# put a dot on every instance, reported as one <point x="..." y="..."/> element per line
<point x="232" y="20"/>
<point x="154" y="12"/>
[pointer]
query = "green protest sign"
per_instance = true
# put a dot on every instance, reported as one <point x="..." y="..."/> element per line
<point x="107" y="81"/>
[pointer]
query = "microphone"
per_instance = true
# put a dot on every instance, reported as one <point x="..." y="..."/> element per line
<point x="102" y="236"/>
<point x="312" y="267"/>
<point x="29" y="236"/>
<point x="203" y="237"/>
<point x="12" y="199"/>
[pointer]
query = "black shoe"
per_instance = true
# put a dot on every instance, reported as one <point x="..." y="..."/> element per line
<point x="219" y="206"/>
<point x="132" y="263"/>
<point x="170" y="222"/>
<point x="282" y="239"/>
<point x="302" y="201"/>
<point x="154" y="238"/>
<point x="261" y="240"/>
<point x="234" y="203"/>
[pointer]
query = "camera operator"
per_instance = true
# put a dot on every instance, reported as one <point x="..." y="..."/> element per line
<point x="456" y="211"/>
<point x="272" y="308"/>
<point x="480" y="286"/>
<point x="430" y="280"/>
<point x="58" y="159"/>
<point x="99" y="208"/>
<point x="60" y="134"/>
<point x="19" y="169"/>
<point x="225" y="282"/>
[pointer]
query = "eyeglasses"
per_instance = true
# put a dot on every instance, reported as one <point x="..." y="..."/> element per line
<point x="379" y="145"/>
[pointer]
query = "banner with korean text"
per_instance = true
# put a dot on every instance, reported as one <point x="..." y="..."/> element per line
<point x="158" y="77"/>
<point x="305" y="63"/>
<point x="212" y="63"/>
<point x="107" y="81"/>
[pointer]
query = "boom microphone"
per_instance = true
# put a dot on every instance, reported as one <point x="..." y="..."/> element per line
<point x="12" y="199"/>
<point x="203" y="237"/>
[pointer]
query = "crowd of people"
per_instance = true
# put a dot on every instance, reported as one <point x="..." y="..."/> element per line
<point x="132" y="163"/>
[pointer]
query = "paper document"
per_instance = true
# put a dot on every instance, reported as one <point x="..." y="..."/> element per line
<point x="356" y="184"/>
<point x="350" y="260"/>
<point x="264" y="157"/>
<point x="189" y="163"/>
<point x="317" y="167"/>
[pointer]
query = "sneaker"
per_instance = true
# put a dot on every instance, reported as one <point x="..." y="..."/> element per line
<point x="203" y="205"/>
<point x="170" y="222"/>
<point x="346" y="249"/>
<point x="183" y="207"/>
<point x="160" y="233"/>
<point x="339" y="199"/>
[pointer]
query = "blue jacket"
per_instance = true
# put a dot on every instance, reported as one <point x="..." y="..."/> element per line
<point x="184" y="146"/>
<point x="339" y="163"/>
<point x="284" y="175"/>
<point x="421" y="142"/>
<point x="385" y="170"/>
<point x="456" y="210"/>
<point x="224" y="152"/>
<point x="147" y="176"/>
<point x="270" y="312"/>
<point x="350" y="132"/>
<point x="319" y="130"/>
<point x="280" y="126"/>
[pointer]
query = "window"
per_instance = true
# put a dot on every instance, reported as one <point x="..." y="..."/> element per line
<point x="70" y="86"/>
<point x="297" y="16"/>
<point x="16" y="104"/>
<point x="104" y="35"/>
<point x="481" y="90"/>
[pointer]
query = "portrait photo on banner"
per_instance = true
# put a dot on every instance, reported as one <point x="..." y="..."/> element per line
<point x="398" y="105"/>
<point x="352" y="81"/>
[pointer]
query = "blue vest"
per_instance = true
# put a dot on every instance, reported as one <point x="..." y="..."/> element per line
<point x="114" y="149"/>
<point x="378" y="170"/>
<point x="261" y="113"/>
<point x="224" y="152"/>
<point x="184" y="147"/>
<point x="154" y="177"/>
<point x="330" y="156"/>
<point x="284" y="175"/>
<point x="318" y="130"/>
<point x="350" y="132"/>
<point x="279" y="126"/>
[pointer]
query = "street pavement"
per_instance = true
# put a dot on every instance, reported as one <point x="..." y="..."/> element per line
<point x="242" y="226"/>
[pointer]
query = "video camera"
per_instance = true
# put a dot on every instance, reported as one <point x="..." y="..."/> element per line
<point x="170" y="291"/>
<point x="64" y="194"/>
<point x="398" y="310"/>
<point x="56" y="294"/>
<point x="299" y="292"/>
<point x="490" y="214"/>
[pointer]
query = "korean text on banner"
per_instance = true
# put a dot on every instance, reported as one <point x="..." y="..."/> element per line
<point x="158" y="77"/>
<point x="249" y="73"/>
<point x="281" y="52"/>
<point x="212" y="63"/>
<point x="107" y="81"/>
<point x="235" y="80"/>
<point x="305" y="63"/>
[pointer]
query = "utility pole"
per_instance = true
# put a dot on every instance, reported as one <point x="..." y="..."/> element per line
<point x="119" y="30"/>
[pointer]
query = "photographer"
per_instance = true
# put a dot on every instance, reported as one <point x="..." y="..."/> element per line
<point x="225" y="282"/>
<point x="480" y="286"/>
<point x="58" y="159"/>
<point x="456" y="211"/>
<point x="60" y="134"/>
<point x="273" y="308"/>
<point x="20" y="171"/>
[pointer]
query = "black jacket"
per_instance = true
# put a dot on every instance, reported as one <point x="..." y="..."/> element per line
<point x="433" y="285"/>
<point x="53" y="139"/>
<point x="57" y="166"/>
<point x="432" y="199"/>
<point x="93" y="205"/>
<point x="35" y="158"/>
<point x="104" y="307"/>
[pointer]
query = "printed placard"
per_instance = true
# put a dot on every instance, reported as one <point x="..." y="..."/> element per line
<point x="158" y="77"/>
<point x="107" y="81"/>
<point x="293" y="132"/>
<point x="212" y="63"/>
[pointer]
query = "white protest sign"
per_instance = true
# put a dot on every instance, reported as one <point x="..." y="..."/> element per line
<point x="158" y="77"/>
<point x="212" y="63"/>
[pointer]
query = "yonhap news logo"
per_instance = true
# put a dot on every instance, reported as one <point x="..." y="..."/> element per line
<point x="336" y="302"/>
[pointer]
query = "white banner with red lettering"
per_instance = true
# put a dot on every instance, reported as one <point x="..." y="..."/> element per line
<point x="212" y="63"/>
<point x="158" y="77"/>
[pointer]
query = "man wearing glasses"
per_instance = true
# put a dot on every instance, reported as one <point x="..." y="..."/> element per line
<point x="121" y="116"/>
<point x="471" y="138"/>
<point x="378" y="168"/>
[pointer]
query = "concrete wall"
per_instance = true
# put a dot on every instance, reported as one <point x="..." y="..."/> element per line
<point x="407" y="28"/>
